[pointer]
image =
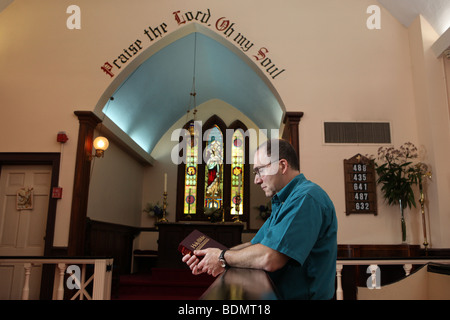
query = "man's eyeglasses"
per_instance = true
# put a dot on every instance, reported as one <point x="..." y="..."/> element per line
<point x="258" y="171"/>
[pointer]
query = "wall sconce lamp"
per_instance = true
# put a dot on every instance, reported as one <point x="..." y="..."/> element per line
<point x="100" y="145"/>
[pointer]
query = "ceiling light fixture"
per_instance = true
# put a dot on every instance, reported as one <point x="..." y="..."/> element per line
<point x="193" y="95"/>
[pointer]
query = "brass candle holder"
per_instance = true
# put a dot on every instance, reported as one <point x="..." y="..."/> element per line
<point x="163" y="219"/>
<point x="238" y="199"/>
<point x="422" y="207"/>
<point x="422" y="201"/>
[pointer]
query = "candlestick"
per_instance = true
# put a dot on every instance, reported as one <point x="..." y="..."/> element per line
<point x="422" y="207"/>
<point x="238" y="200"/>
<point x="165" y="182"/>
<point x="163" y="219"/>
<point x="424" y="227"/>
<point x="223" y="215"/>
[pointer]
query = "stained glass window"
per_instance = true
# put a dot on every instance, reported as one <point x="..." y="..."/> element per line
<point x="190" y="186"/>
<point x="214" y="168"/>
<point x="214" y="173"/>
<point x="237" y="173"/>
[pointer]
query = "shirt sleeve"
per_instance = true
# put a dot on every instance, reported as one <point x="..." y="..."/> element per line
<point x="295" y="230"/>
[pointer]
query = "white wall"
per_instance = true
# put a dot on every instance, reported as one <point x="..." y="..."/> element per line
<point x="431" y="103"/>
<point x="115" y="189"/>
<point x="336" y="69"/>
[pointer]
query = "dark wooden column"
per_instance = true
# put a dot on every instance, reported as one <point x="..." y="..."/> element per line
<point x="290" y="133"/>
<point x="88" y="121"/>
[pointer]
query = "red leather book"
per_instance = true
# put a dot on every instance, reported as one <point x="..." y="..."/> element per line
<point x="196" y="240"/>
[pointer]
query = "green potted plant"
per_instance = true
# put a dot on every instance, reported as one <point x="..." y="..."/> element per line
<point x="154" y="210"/>
<point x="397" y="174"/>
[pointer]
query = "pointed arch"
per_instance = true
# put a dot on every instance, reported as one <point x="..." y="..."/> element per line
<point x="154" y="87"/>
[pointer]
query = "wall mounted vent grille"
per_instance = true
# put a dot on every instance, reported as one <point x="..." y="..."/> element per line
<point x="357" y="132"/>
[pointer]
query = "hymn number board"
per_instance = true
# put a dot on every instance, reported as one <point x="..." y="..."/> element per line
<point x="360" y="185"/>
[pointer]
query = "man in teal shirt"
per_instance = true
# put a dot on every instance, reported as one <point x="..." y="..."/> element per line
<point x="297" y="245"/>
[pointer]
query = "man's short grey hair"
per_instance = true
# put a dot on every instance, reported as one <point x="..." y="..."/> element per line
<point x="285" y="151"/>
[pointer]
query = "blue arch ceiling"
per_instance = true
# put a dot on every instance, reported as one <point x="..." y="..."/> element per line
<point x="157" y="93"/>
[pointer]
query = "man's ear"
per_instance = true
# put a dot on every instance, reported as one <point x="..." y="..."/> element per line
<point x="284" y="165"/>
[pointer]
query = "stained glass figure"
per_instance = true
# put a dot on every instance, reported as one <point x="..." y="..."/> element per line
<point x="213" y="169"/>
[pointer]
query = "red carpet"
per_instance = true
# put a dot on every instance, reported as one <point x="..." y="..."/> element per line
<point x="163" y="284"/>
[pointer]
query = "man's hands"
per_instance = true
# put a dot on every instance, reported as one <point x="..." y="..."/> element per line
<point x="209" y="264"/>
<point x="246" y="255"/>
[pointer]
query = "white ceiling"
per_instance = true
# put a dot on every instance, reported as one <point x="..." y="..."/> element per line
<point x="157" y="91"/>
<point x="436" y="12"/>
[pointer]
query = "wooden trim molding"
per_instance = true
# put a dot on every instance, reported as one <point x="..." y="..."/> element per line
<point x="112" y="240"/>
<point x="290" y="133"/>
<point x="88" y="121"/>
<point x="377" y="251"/>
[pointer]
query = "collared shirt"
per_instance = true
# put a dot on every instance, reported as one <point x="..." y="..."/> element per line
<point x="303" y="226"/>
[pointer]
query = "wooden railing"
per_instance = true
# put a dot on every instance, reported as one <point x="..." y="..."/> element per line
<point x="241" y="284"/>
<point x="373" y="270"/>
<point x="101" y="277"/>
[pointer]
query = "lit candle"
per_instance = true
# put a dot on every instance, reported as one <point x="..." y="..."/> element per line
<point x="165" y="182"/>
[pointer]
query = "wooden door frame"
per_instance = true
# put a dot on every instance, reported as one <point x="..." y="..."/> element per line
<point x="77" y="230"/>
<point x="290" y="133"/>
<point x="52" y="159"/>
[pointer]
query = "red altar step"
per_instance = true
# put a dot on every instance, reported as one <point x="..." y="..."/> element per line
<point x="163" y="284"/>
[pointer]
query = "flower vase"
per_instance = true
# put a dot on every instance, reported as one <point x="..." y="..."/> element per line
<point x="402" y="222"/>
